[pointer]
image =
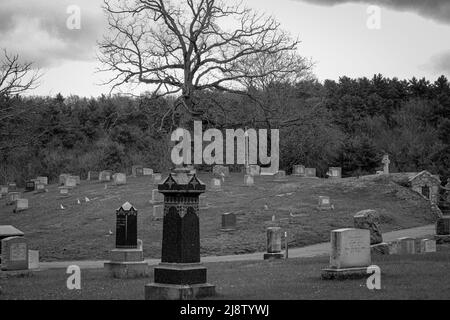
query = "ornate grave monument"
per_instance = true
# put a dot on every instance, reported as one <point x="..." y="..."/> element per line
<point x="180" y="276"/>
<point x="127" y="259"/>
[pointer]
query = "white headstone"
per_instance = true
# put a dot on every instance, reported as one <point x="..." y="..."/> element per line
<point x="350" y="248"/>
<point x="33" y="259"/>
<point x="120" y="179"/>
<point x="43" y="180"/>
<point x="147" y="172"/>
<point x="21" y="205"/>
<point x="248" y="180"/>
<point x="427" y="245"/>
<point x="70" y="182"/>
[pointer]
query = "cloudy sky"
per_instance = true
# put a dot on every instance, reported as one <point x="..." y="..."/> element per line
<point x="413" y="38"/>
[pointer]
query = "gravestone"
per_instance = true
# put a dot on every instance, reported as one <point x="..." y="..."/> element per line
<point x="427" y="246"/>
<point x="156" y="197"/>
<point x="30" y="186"/>
<point x="253" y="170"/>
<point x="70" y="182"/>
<point x="158" y="212"/>
<point x="216" y="184"/>
<point x="221" y="171"/>
<point x="157" y="177"/>
<point x="325" y="203"/>
<point x="105" y="176"/>
<point x="228" y="221"/>
<point x="127" y="259"/>
<point x="310" y="173"/>
<point x="180" y="276"/>
<point x="43" y="180"/>
<point x="21" y="205"/>
<point x="12" y="198"/>
<point x="350" y="254"/>
<point x="248" y="180"/>
<point x="14" y="254"/>
<point x="4" y="190"/>
<point x="147" y="172"/>
<point x="406" y="245"/>
<point x="394" y="247"/>
<point x="335" y="172"/>
<point x="40" y="188"/>
<point x="370" y="220"/>
<point x="386" y="162"/>
<point x="64" y="192"/>
<point x="12" y="186"/>
<point x="93" y="176"/>
<point x="273" y="244"/>
<point x="62" y="178"/>
<point x="120" y="179"/>
<point x="33" y="259"/>
<point x="137" y="171"/>
<point x="7" y="231"/>
<point x="443" y="230"/>
<point x="77" y="180"/>
<point x="298" y="170"/>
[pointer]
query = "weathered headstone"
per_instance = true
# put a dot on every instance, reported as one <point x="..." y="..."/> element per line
<point x="427" y="246"/>
<point x="394" y="247"/>
<point x="63" y="177"/>
<point x="158" y="212"/>
<point x="443" y="230"/>
<point x="310" y="172"/>
<point x="30" y="186"/>
<point x="386" y="162"/>
<point x="43" y="180"/>
<point x="127" y="259"/>
<point x="40" y="188"/>
<point x="33" y="259"/>
<point x="21" y="205"/>
<point x="7" y="231"/>
<point x="157" y="177"/>
<point x="248" y="180"/>
<point x="77" y="180"/>
<point x="335" y="172"/>
<point x="253" y="170"/>
<point x="12" y="198"/>
<point x="137" y="171"/>
<point x="105" y="176"/>
<point x="216" y="184"/>
<point x="407" y="245"/>
<point x="93" y="176"/>
<point x="12" y="186"/>
<point x="120" y="179"/>
<point x="273" y="244"/>
<point x="280" y="175"/>
<point x="298" y="170"/>
<point x="157" y="197"/>
<point x="4" y="190"/>
<point x="70" y="182"/>
<point x="221" y="171"/>
<point x="14" y="254"/>
<point x="64" y="192"/>
<point x="180" y="276"/>
<point x="370" y="220"/>
<point x="147" y="171"/>
<point x="350" y="254"/>
<point x="228" y="221"/>
<point x="324" y="203"/>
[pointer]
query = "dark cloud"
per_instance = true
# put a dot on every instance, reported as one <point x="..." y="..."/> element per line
<point x="36" y="29"/>
<point x="438" y="10"/>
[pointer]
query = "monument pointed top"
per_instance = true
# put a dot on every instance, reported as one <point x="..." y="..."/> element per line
<point x="127" y="206"/>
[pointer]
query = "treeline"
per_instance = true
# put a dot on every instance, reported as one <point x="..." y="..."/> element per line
<point x="349" y="123"/>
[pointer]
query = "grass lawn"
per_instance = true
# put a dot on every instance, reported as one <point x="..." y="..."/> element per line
<point x="402" y="277"/>
<point x="81" y="232"/>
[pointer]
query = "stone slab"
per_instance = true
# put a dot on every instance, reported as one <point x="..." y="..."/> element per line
<point x="157" y="291"/>
<point x="344" y="274"/>
<point x="127" y="270"/>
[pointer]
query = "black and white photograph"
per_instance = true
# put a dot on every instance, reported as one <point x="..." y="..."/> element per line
<point x="224" y="156"/>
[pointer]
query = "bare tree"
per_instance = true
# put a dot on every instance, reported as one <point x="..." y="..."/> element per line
<point x="16" y="77"/>
<point x="186" y="46"/>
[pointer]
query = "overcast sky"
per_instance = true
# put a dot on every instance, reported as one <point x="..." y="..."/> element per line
<point x="413" y="39"/>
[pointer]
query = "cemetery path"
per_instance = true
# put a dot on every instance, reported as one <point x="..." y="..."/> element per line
<point x="320" y="249"/>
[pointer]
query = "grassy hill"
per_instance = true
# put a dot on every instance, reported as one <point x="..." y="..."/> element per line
<point x="82" y="231"/>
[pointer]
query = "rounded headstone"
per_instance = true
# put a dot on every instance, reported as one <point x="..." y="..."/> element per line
<point x="370" y="220"/>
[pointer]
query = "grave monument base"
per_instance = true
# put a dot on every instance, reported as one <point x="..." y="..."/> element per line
<point x="273" y="256"/>
<point x="160" y="291"/>
<point x="127" y="270"/>
<point x="440" y="239"/>
<point x="345" y="273"/>
<point x="328" y="208"/>
<point x="4" y="274"/>
<point x="127" y="263"/>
